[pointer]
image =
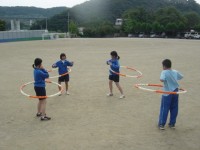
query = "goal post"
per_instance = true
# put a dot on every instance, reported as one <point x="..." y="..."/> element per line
<point x="53" y="36"/>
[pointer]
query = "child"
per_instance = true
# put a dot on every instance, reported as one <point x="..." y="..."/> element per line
<point x="114" y="65"/>
<point x="169" y="102"/>
<point x="62" y="69"/>
<point x="40" y="74"/>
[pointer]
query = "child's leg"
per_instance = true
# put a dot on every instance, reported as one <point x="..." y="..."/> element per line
<point x="59" y="88"/>
<point x="43" y="107"/>
<point x="119" y="87"/>
<point x="164" y="109"/>
<point x="174" y="109"/>
<point x="66" y="85"/>
<point x="43" y="110"/>
<point x="39" y="107"/>
<point x="111" y="86"/>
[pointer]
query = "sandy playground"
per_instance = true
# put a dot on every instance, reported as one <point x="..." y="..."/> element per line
<point x="87" y="119"/>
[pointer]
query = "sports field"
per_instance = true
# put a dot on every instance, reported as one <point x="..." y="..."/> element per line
<point x="87" y="119"/>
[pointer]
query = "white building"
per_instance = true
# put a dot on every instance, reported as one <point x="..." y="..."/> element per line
<point x="119" y="22"/>
<point x="15" y="25"/>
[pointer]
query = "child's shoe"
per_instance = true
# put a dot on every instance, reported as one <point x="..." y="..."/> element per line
<point x="109" y="94"/>
<point x="122" y="96"/>
<point x="67" y="93"/>
<point x="161" y="127"/>
<point x="38" y="114"/>
<point x="45" y="118"/>
<point x="172" y="126"/>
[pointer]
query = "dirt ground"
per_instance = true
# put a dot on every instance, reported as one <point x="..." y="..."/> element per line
<point x="87" y="119"/>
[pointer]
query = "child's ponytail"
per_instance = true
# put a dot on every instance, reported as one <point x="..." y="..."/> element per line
<point x="37" y="62"/>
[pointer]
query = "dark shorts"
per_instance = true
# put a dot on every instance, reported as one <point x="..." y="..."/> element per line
<point x="64" y="78"/>
<point x="40" y="91"/>
<point x="114" y="78"/>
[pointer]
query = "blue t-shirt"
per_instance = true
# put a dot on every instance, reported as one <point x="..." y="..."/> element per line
<point x="115" y="66"/>
<point x="170" y="78"/>
<point x="62" y="66"/>
<point x="39" y="77"/>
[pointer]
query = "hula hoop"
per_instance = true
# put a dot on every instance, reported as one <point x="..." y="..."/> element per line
<point x="51" y="70"/>
<point x="139" y="86"/>
<point x="59" y="75"/>
<point x="129" y="68"/>
<point x="30" y="96"/>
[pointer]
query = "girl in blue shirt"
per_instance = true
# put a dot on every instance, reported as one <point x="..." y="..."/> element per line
<point x="40" y="74"/>
<point x="114" y="65"/>
<point x="62" y="65"/>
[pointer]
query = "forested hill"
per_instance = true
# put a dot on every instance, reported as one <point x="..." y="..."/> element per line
<point x="112" y="9"/>
<point x="26" y="12"/>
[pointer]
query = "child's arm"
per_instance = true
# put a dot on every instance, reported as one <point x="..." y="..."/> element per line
<point x="54" y="66"/>
<point x="109" y="63"/>
<point x="70" y="63"/>
<point x="44" y="73"/>
<point x="162" y="76"/>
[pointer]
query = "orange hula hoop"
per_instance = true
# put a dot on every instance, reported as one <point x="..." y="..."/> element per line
<point x="139" y="86"/>
<point x="130" y="76"/>
<point x="59" y="75"/>
<point x="31" y="96"/>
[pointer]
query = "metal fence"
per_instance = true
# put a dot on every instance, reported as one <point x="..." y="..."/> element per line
<point x="22" y="35"/>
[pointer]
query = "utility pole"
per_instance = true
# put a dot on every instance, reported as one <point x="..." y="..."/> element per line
<point x="68" y="23"/>
<point x="46" y="23"/>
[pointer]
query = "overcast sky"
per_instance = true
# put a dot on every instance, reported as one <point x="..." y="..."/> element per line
<point x="44" y="3"/>
<point x="41" y="3"/>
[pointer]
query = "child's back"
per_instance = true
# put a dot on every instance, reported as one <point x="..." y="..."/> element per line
<point x="170" y="79"/>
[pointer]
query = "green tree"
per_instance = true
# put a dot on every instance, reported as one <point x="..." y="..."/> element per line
<point x="128" y="25"/>
<point x="106" y="28"/>
<point x="181" y="27"/>
<point x="73" y="28"/>
<point x="139" y="15"/>
<point x="148" y="27"/>
<point x="88" y="32"/>
<point x="156" y="27"/>
<point x="100" y="29"/>
<point x="171" y="29"/>
<point x="193" y="19"/>
<point x="169" y="15"/>
<point x="2" y="25"/>
<point x="197" y="28"/>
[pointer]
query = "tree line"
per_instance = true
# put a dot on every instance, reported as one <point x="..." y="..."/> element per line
<point x="169" y="16"/>
<point x="168" y="20"/>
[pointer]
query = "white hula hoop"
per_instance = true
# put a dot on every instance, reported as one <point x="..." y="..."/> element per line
<point x="130" y="76"/>
<point x="31" y="96"/>
<point x="59" y="75"/>
<point x="52" y="70"/>
<point x="139" y="86"/>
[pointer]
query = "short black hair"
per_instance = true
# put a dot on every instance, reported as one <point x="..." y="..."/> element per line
<point x="114" y="54"/>
<point x="37" y="62"/>
<point x="167" y="63"/>
<point x="62" y="55"/>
